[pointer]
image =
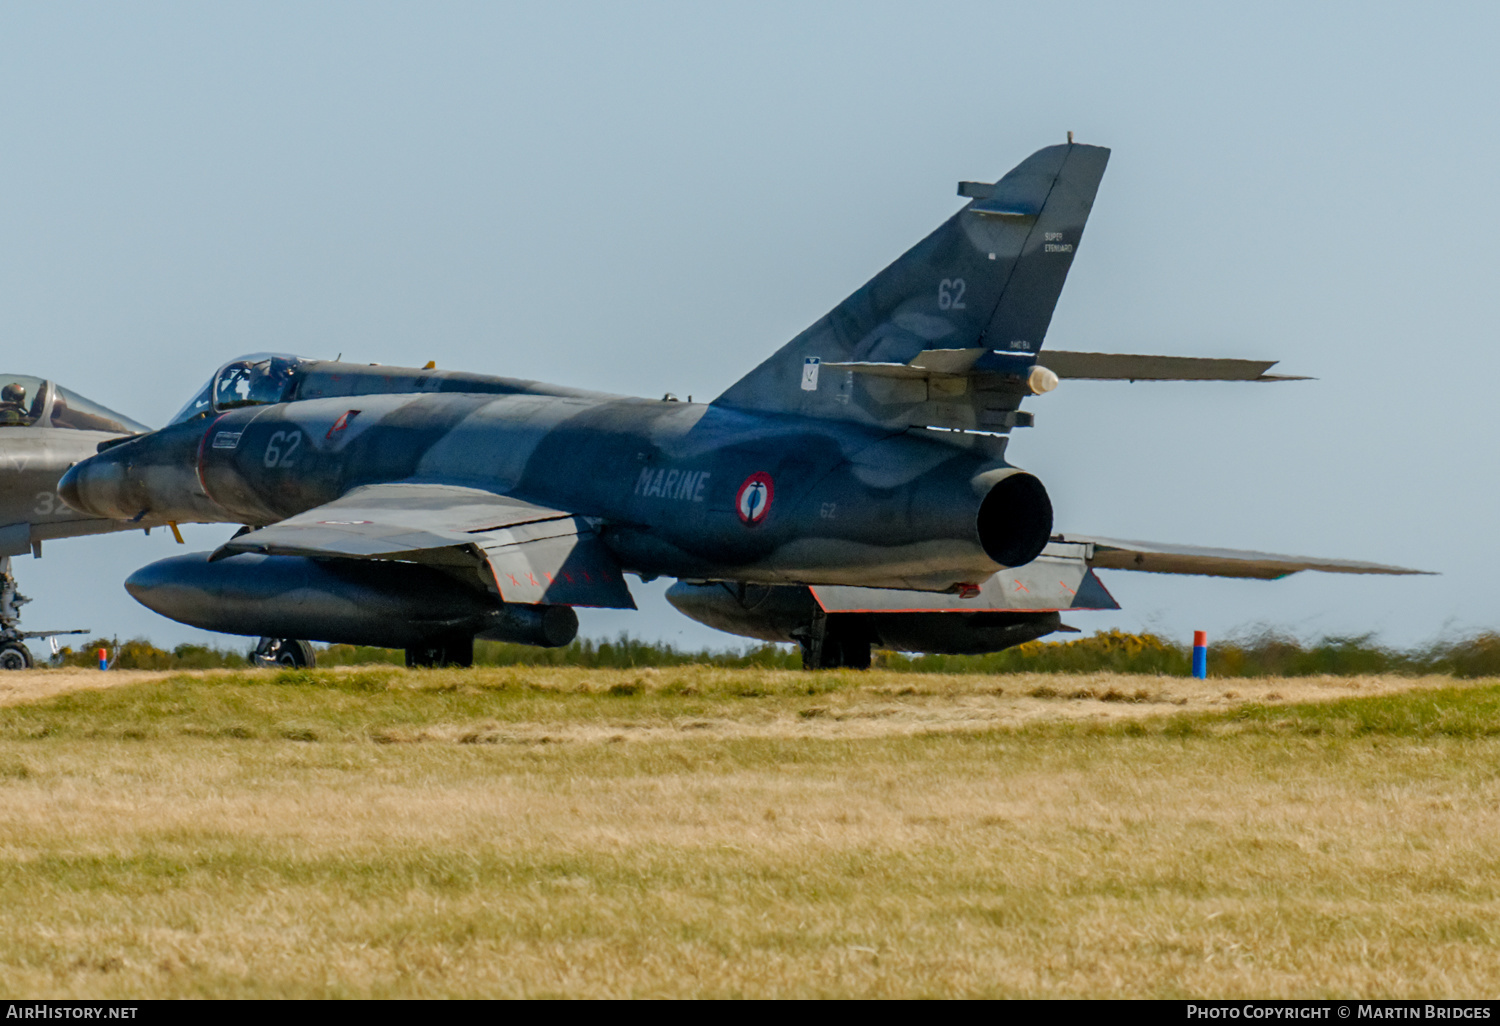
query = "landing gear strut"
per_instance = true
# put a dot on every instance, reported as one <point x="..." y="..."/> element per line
<point x="289" y="653"/>
<point x="443" y="650"/>
<point x="834" y="643"/>
<point x="14" y="655"/>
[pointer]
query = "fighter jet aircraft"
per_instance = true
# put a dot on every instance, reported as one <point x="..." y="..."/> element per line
<point x="850" y="491"/>
<point x="44" y="429"/>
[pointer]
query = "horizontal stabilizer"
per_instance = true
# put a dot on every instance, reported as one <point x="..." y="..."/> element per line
<point x="1128" y="367"/>
<point x="1161" y="558"/>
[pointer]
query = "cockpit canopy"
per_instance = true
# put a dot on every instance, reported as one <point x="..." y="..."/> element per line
<point x="268" y="379"/>
<point x="261" y="379"/>
<point x="26" y="401"/>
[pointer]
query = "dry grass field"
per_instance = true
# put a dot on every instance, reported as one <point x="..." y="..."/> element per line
<point x="564" y="832"/>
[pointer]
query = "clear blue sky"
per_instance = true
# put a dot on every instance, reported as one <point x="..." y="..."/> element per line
<point x="646" y="197"/>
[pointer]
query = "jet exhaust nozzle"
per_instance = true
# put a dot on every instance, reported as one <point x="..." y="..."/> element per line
<point x="1015" y="520"/>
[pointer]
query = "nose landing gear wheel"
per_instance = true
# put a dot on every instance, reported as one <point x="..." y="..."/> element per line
<point x="15" y="657"/>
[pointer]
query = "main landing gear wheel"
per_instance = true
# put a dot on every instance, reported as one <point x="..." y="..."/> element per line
<point x="834" y="644"/>
<point x="15" y="657"/>
<point x="288" y="653"/>
<point x="449" y="650"/>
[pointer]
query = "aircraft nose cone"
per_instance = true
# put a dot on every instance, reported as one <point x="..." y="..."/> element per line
<point x="68" y="492"/>
<point x="95" y="487"/>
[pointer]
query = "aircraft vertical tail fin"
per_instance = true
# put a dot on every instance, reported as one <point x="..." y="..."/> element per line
<point x="987" y="280"/>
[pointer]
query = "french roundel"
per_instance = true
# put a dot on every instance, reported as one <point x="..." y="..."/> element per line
<point x="753" y="500"/>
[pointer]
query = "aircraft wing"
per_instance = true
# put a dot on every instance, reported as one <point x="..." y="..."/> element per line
<point x="390" y="521"/>
<point x="17" y="539"/>
<point x="1167" y="558"/>
<point x="1062" y="577"/>
<point x="532" y="553"/>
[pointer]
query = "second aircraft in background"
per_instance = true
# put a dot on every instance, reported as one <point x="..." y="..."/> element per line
<point x="44" y="430"/>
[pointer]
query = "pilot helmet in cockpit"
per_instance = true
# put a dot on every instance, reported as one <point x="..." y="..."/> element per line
<point x="13" y="403"/>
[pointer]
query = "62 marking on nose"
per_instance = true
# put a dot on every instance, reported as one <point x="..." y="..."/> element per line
<point x="282" y="448"/>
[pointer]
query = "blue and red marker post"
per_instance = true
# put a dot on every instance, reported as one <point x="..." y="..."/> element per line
<point x="1200" y="654"/>
<point x="104" y="659"/>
